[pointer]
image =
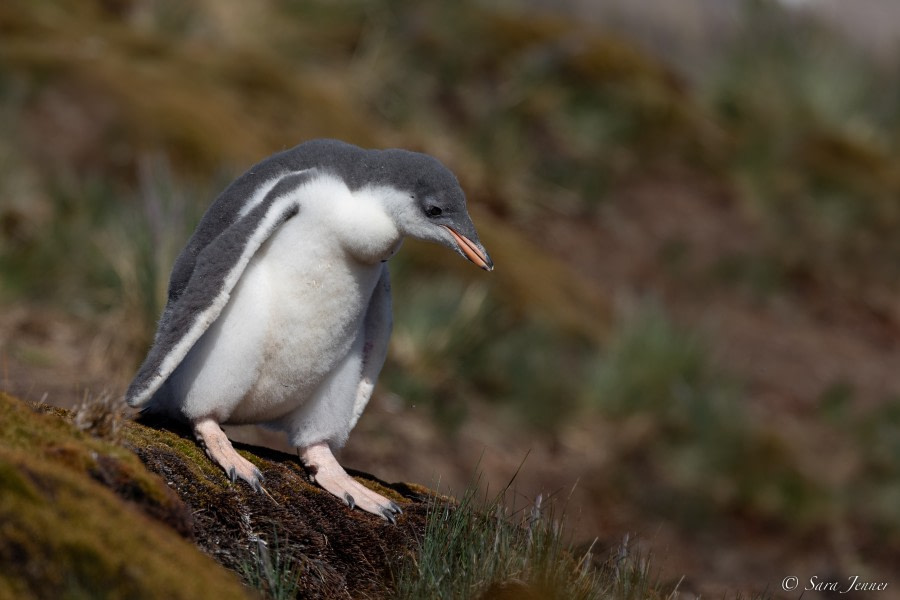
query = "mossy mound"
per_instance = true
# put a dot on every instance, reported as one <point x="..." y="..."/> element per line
<point x="84" y="517"/>
<point x="333" y="552"/>
<point x="65" y="533"/>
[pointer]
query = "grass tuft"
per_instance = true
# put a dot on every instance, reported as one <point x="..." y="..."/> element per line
<point x="100" y="415"/>
<point x="476" y="549"/>
<point x="272" y="570"/>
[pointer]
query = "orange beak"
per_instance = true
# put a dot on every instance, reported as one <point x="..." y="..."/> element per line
<point x="472" y="252"/>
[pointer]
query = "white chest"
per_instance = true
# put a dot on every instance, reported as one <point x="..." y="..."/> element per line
<point x="305" y="294"/>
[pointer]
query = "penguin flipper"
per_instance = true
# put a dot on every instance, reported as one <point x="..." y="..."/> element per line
<point x="216" y="270"/>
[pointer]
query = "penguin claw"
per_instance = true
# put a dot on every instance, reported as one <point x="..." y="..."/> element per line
<point x="332" y="477"/>
<point x="221" y="452"/>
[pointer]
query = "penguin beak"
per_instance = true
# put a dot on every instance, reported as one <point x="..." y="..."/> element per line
<point x="471" y="250"/>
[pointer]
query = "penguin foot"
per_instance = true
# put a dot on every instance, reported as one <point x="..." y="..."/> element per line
<point x="219" y="449"/>
<point x="332" y="477"/>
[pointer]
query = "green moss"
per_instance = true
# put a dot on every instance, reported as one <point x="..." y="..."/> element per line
<point x="15" y="483"/>
<point x="77" y="539"/>
<point x="56" y="440"/>
<point x="64" y="532"/>
<point x="337" y="552"/>
<point x="136" y="436"/>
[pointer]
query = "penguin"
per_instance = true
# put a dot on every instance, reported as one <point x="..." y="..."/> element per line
<point x="279" y="306"/>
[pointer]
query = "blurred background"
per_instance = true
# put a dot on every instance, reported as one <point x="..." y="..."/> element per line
<point x="693" y="332"/>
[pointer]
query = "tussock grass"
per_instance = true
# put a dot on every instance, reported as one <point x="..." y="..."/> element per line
<point x="271" y="569"/>
<point x="100" y="415"/>
<point x="476" y="549"/>
<point x="537" y="116"/>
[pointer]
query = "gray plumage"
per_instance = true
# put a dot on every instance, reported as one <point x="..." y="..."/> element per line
<point x="278" y="308"/>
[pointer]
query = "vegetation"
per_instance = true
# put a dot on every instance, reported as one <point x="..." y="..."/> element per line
<point x="708" y="455"/>
<point x="120" y="121"/>
<point x="272" y="570"/>
<point x="52" y="471"/>
<point x="81" y="519"/>
<point x="475" y="550"/>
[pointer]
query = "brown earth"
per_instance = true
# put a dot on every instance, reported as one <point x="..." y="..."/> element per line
<point x="663" y="235"/>
<point x="140" y="520"/>
<point x="788" y="348"/>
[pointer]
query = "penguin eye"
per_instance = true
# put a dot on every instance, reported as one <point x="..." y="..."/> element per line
<point x="433" y="211"/>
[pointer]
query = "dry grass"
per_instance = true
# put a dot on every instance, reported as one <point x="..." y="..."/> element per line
<point x="101" y="415"/>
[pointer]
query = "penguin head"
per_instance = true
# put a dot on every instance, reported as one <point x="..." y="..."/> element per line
<point x="428" y="203"/>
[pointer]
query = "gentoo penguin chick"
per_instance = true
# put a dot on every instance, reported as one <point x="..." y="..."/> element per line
<point x="279" y="307"/>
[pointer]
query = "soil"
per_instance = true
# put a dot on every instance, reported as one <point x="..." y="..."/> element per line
<point x="178" y="511"/>
<point x="788" y="347"/>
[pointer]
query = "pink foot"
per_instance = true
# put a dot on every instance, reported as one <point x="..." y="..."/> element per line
<point x="219" y="449"/>
<point x="333" y="478"/>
